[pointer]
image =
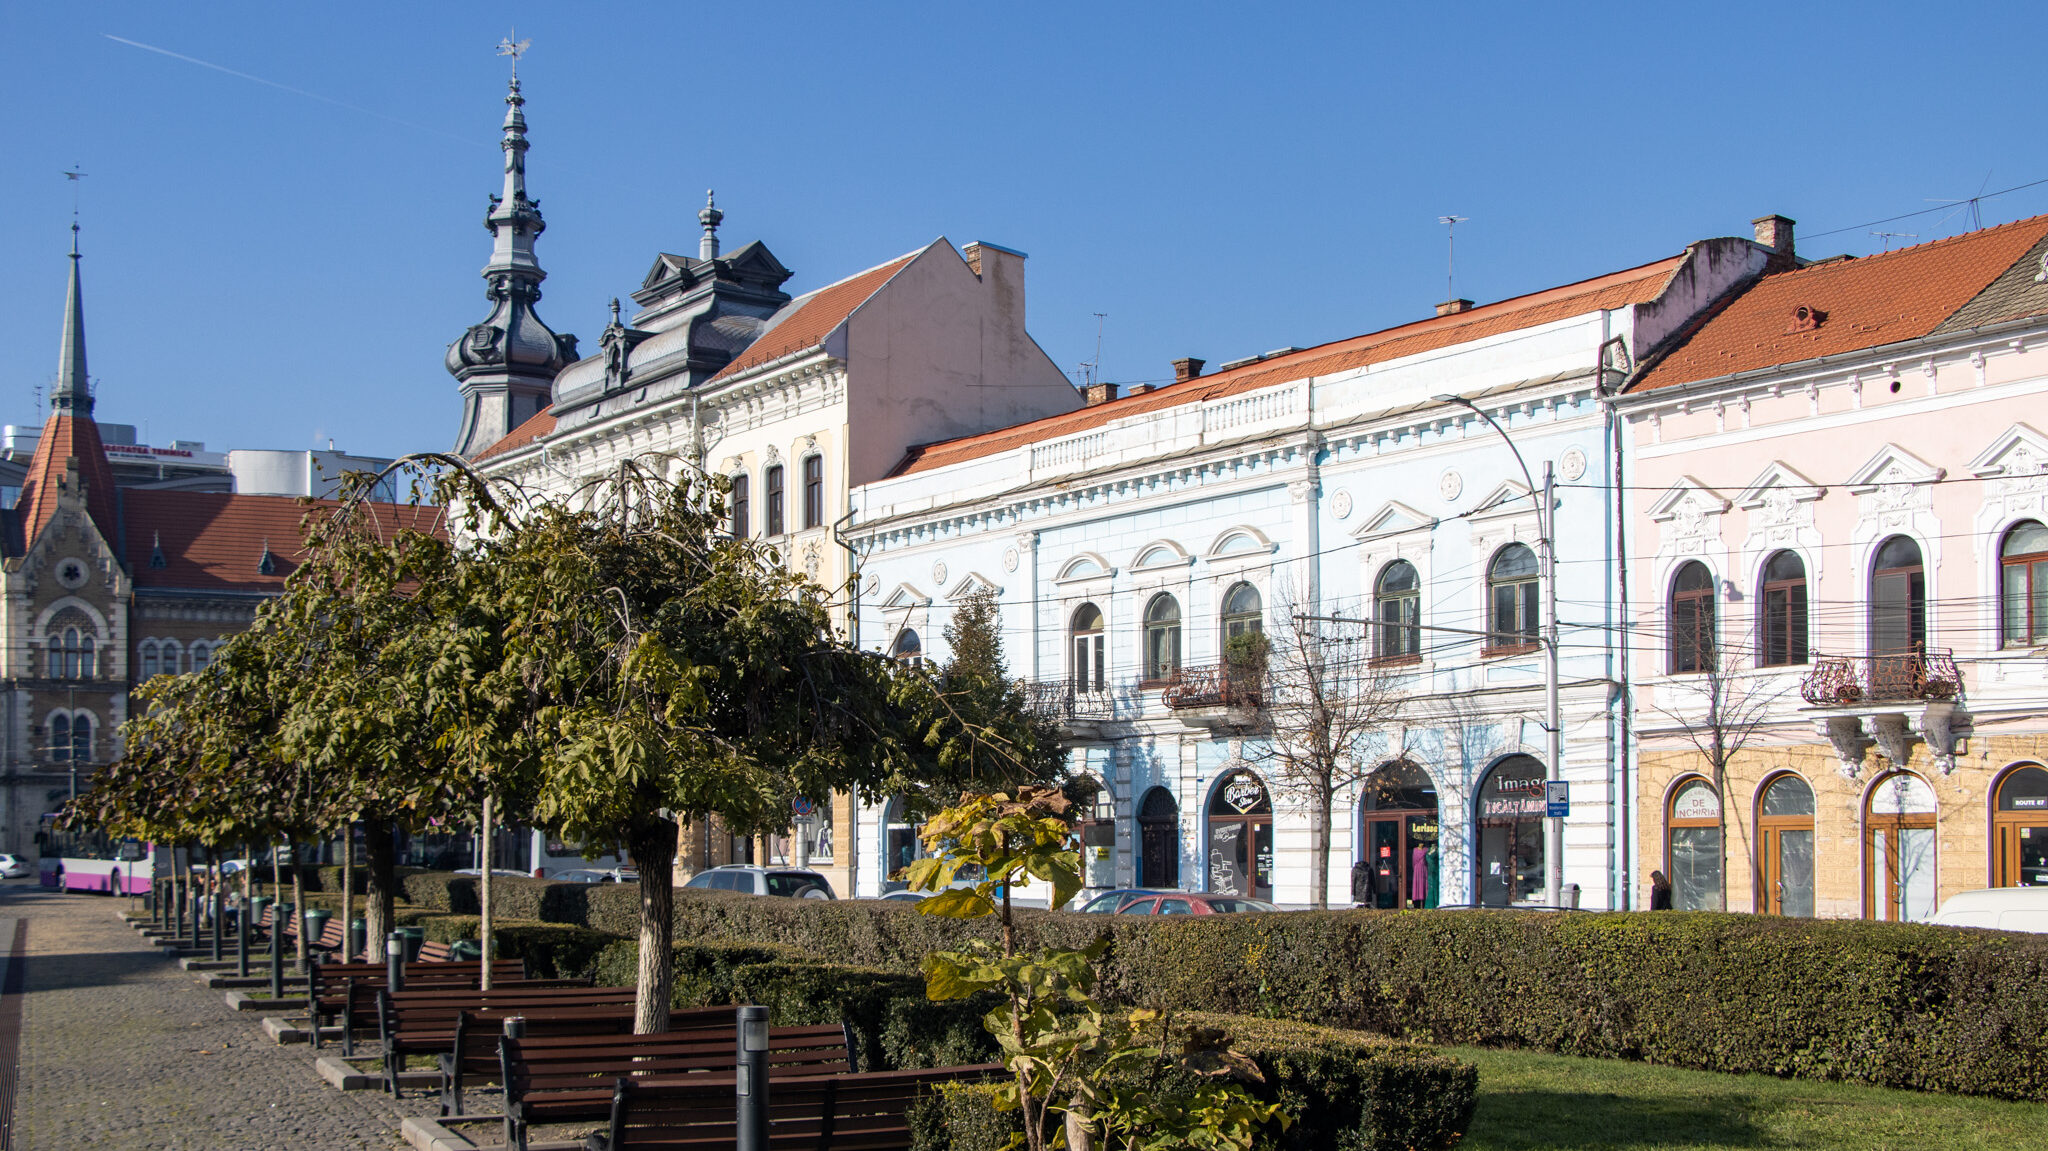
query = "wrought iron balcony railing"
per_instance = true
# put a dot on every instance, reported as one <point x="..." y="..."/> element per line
<point x="1216" y="685"/>
<point x="1856" y="680"/>
<point x="1068" y="700"/>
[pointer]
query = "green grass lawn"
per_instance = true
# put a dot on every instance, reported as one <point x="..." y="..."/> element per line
<point x="1530" y="1102"/>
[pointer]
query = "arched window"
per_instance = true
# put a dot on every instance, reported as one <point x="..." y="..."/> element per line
<point x="202" y="654"/>
<point x="1086" y="634"/>
<point x="1159" y="840"/>
<point x="814" y="491"/>
<point x="85" y="657"/>
<point x="1898" y="849"/>
<point x="1511" y="813"/>
<point x="741" y="528"/>
<point x="1898" y="599"/>
<point x="908" y="650"/>
<point x="1783" y="611"/>
<point x="1162" y="638"/>
<point x="173" y="656"/>
<point x="2019" y="829"/>
<point x="71" y="654"/>
<point x="1397" y="598"/>
<point x="60" y="738"/>
<point x="81" y="738"/>
<point x="1241" y="837"/>
<point x="1785" y="846"/>
<point x="151" y="663"/>
<point x="1511" y="594"/>
<point x="1692" y="849"/>
<point x="1398" y="839"/>
<point x="771" y="484"/>
<point x="1692" y="619"/>
<point x="1243" y="613"/>
<point x="55" y="653"/>
<point x="2023" y="564"/>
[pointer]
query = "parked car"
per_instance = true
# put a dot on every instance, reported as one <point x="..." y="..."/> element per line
<point x="750" y="880"/>
<point x="13" y="867"/>
<point x="2003" y="908"/>
<point x="1114" y="901"/>
<point x="588" y="875"/>
<point x="494" y="871"/>
<point x="905" y="896"/>
<point x="1191" y="903"/>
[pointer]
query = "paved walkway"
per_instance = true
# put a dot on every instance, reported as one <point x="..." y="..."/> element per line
<point x="120" y="1048"/>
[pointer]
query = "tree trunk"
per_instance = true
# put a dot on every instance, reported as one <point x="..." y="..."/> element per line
<point x="1319" y="853"/>
<point x="654" y="853"/>
<point x="348" y="890"/>
<point x="379" y="886"/>
<point x="299" y="908"/>
<point x="483" y="896"/>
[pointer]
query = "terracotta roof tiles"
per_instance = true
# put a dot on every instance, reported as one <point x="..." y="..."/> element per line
<point x="65" y="438"/>
<point x="536" y="426"/>
<point x="213" y="541"/>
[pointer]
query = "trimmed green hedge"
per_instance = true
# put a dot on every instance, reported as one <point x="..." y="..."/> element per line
<point x="703" y="971"/>
<point x="1341" y="1091"/>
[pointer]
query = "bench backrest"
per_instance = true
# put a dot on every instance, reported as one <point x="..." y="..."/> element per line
<point x="331" y="980"/>
<point x="358" y="995"/>
<point x="869" y="1110"/>
<point x="479" y="1034"/>
<point x="436" y="1009"/>
<point x="538" y="1063"/>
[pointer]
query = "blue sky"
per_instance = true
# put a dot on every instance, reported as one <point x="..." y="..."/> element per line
<point x="267" y="269"/>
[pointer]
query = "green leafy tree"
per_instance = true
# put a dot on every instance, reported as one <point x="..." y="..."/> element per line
<point x="1104" y="1072"/>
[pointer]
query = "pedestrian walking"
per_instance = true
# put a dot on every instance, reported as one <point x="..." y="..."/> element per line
<point x="1660" y="892"/>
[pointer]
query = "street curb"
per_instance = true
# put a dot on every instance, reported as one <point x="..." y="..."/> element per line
<point x="348" y="1077"/>
<point x="225" y="981"/>
<point x="428" y="1135"/>
<point x="243" y="1001"/>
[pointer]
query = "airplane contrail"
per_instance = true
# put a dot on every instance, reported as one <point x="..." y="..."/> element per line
<point x="288" y="88"/>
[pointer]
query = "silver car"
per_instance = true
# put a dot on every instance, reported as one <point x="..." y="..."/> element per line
<point x="749" y="880"/>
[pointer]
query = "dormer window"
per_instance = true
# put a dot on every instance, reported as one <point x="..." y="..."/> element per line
<point x="1806" y="318"/>
<point x="157" y="559"/>
<point x="267" y="563"/>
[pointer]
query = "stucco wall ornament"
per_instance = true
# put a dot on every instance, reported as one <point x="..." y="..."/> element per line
<point x="1340" y="504"/>
<point x="1450" y="485"/>
<point x="1573" y="464"/>
<point x="1010" y="559"/>
<point x="1938" y="728"/>
<point x="939" y="572"/>
<point x="1894" y="738"/>
<point x="1845" y="732"/>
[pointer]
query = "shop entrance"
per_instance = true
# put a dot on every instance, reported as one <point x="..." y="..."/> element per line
<point x="1511" y="813"/>
<point x="2019" y="829"/>
<point x="1241" y="837"/>
<point x="1399" y="835"/>
<point x="1159" y="840"/>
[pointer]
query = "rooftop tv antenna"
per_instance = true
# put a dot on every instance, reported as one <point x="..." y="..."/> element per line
<point x="1089" y="368"/>
<point x="1450" y="224"/>
<point x="1974" y="204"/>
<point x="1888" y="237"/>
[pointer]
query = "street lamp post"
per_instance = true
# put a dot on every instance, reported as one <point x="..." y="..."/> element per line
<point x="1546" y="561"/>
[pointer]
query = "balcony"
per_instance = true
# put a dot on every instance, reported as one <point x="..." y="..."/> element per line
<point x="1859" y="681"/>
<point x="1080" y="706"/>
<point x="1216" y="695"/>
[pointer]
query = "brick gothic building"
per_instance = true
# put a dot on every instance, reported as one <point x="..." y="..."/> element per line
<point x="103" y="586"/>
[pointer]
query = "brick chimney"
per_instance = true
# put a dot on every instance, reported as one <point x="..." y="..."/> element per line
<point x="1775" y="233"/>
<point x="1187" y="368"/>
<point x="1095" y="394"/>
<point x="1453" y="307"/>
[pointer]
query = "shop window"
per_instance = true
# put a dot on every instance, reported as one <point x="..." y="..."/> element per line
<point x="1692" y="619"/>
<point x="1162" y="638"/>
<point x="1785" y="846"/>
<point x="1241" y="837"/>
<point x="1399" y="831"/>
<point x="1511" y="813"/>
<point x="901" y="845"/>
<point x="1898" y="599"/>
<point x="1511" y="587"/>
<point x="2019" y="829"/>
<point x="1098" y="836"/>
<point x="1159" y="840"/>
<point x="1086" y="634"/>
<point x="814" y="491"/>
<point x="771" y="485"/>
<point x="1243" y="613"/>
<point x="1898" y="849"/>
<point x="2023" y="564"/>
<point x="1397" y="605"/>
<point x="738" y="499"/>
<point x="1783" y="606"/>
<point x="1692" y="850"/>
<point x="908" y="649"/>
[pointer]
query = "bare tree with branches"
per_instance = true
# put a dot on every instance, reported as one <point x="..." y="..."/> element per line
<point x="1325" y="697"/>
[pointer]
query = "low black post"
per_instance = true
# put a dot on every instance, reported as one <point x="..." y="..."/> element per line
<point x="276" y="968"/>
<point x="217" y="926"/>
<point x="177" y="910"/>
<point x="750" y="1079"/>
<point x="242" y="941"/>
<point x="394" y="963"/>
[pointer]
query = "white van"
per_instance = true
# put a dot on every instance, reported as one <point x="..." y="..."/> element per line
<point x="2005" y="908"/>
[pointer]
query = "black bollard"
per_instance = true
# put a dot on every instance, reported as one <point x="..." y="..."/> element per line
<point x="198" y="911"/>
<point x="216" y="909"/>
<point x="394" y="963"/>
<point x="242" y="941"/>
<point x="750" y="1079"/>
<point x="276" y="968"/>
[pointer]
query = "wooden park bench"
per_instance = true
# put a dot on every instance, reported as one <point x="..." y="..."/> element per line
<point x="475" y="1057"/>
<point x="423" y="1021"/>
<point x="866" y="1111"/>
<point x="331" y="987"/>
<point x="563" y="1079"/>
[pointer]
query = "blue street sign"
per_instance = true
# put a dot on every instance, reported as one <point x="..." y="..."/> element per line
<point x="1557" y="799"/>
<point x="803" y="808"/>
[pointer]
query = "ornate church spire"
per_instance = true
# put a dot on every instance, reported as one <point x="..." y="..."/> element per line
<point x="507" y="364"/>
<point x="73" y="394"/>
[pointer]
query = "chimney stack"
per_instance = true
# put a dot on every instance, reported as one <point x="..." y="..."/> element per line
<point x="1095" y="394"/>
<point x="1188" y="368"/>
<point x="1775" y="233"/>
<point x="1453" y="307"/>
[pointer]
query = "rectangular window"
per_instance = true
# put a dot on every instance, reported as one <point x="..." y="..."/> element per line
<point x="773" y="482"/>
<point x="814" y="492"/>
<point x="740" y="525"/>
<point x="1785" y="623"/>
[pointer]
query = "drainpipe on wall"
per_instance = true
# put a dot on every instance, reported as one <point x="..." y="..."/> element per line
<point x="1625" y="695"/>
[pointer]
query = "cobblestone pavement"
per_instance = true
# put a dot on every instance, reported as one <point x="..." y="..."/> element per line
<point x="120" y="1048"/>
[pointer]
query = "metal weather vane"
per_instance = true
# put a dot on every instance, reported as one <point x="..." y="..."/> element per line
<point x="514" y="49"/>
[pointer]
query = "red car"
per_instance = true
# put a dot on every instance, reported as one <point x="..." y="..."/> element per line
<point x="1191" y="904"/>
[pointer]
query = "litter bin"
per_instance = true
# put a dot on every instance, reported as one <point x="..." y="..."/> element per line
<point x="256" y="906"/>
<point x="465" y="949"/>
<point x="414" y="938"/>
<point x="316" y="922"/>
<point x="358" y="937"/>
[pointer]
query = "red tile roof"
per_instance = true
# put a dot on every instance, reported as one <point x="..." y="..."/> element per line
<point x="815" y="318"/>
<point x="65" y="438"/>
<point x="537" y="425"/>
<point x="1615" y="290"/>
<point x="1864" y="303"/>
<point x="213" y="541"/>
